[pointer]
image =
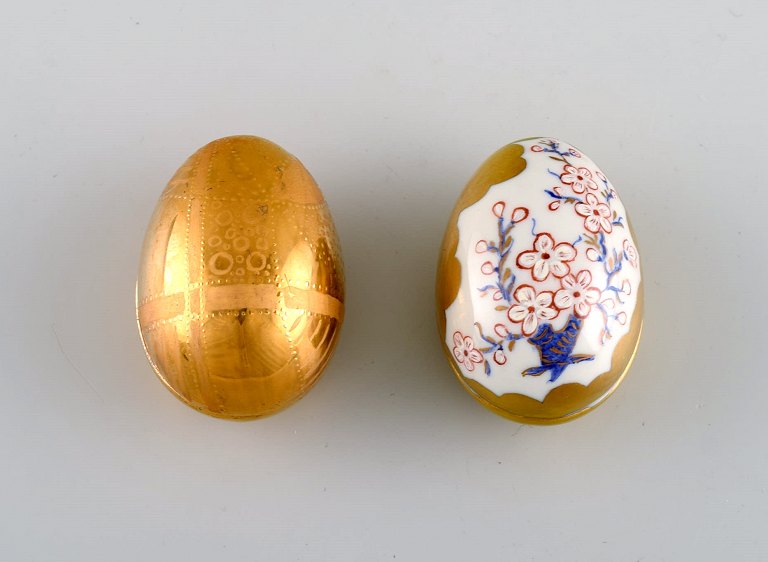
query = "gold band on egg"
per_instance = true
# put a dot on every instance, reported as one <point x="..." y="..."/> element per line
<point x="236" y="297"/>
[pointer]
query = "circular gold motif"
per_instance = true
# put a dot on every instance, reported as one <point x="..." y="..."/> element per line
<point x="256" y="261"/>
<point x="241" y="243"/>
<point x="224" y="218"/>
<point x="221" y="263"/>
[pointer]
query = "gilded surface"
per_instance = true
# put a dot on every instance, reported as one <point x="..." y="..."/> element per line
<point x="565" y="402"/>
<point x="505" y="163"/>
<point x="241" y="289"/>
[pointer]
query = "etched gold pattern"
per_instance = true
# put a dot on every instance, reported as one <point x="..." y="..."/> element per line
<point x="241" y="286"/>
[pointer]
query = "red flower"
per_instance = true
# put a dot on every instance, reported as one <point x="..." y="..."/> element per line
<point x="519" y="214"/>
<point x="577" y="293"/>
<point x="578" y="178"/>
<point x="546" y="258"/>
<point x="630" y="252"/>
<point x="499" y="356"/>
<point x="596" y="215"/>
<point x="531" y="308"/>
<point x="464" y="351"/>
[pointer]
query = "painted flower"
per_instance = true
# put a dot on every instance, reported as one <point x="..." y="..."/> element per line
<point x="546" y="258"/>
<point x="555" y="205"/>
<point x="499" y="357"/>
<point x="488" y="268"/>
<point x="580" y="179"/>
<point x="596" y="215"/>
<point x="601" y="176"/>
<point x="577" y="293"/>
<point x="519" y="214"/>
<point x="464" y="351"/>
<point x="626" y="287"/>
<point x="501" y="331"/>
<point x="630" y="252"/>
<point x="531" y="308"/>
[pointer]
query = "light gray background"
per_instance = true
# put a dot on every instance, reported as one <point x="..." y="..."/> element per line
<point x="391" y="106"/>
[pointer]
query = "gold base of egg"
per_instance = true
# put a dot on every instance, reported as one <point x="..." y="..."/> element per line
<point x="240" y="293"/>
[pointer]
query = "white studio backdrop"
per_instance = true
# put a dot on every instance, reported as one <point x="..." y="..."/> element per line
<point x="391" y="106"/>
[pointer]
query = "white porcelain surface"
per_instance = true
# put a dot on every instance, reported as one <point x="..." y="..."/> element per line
<point x="563" y="285"/>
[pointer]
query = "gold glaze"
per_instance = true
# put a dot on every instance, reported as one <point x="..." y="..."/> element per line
<point x="240" y="293"/>
<point x="566" y="402"/>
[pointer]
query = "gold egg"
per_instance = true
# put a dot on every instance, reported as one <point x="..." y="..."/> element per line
<point x="539" y="289"/>
<point x="240" y="293"/>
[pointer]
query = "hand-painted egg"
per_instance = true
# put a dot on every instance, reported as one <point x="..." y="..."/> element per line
<point x="539" y="292"/>
<point x="240" y="295"/>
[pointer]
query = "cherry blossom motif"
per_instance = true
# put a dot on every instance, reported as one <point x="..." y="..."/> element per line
<point x="531" y="308"/>
<point x="499" y="357"/>
<point x="596" y="257"/>
<point x="546" y="258"/>
<point x="596" y="215"/>
<point x="501" y="330"/>
<point x="593" y="255"/>
<point x="577" y="293"/>
<point x="626" y="287"/>
<point x="580" y="179"/>
<point x="487" y="268"/>
<point x="555" y="205"/>
<point x="519" y="214"/>
<point x="464" y="351"/>
<point x="601" y="176"/>
<point x="630" y="252"/>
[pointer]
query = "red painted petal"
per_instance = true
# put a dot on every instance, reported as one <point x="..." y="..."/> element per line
<point x="540" y="271"/>
<point x="498" y="208"/>
<point x="457" y="339"/>
<point x="543" y="242"/>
